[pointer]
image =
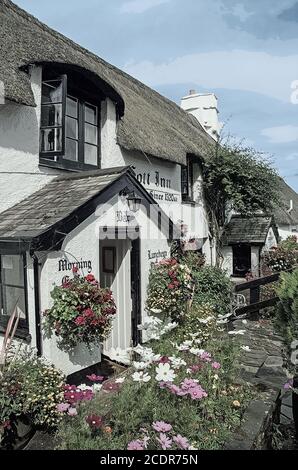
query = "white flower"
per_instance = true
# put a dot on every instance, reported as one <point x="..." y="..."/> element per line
<point x="169" y="327"/>
<point x="164" y="373"/>
<point x="156" y="311"/>
<point x="140" y="365"/>
<point x="244" y="322"/>
<point x="84" y="387"/>
<point x="97" y="388"/>
<point x="238" y="332"/>
<point x="188" y="371"/>
<point x="246" y="348"/>
<point x="120" y="355"/>
<point x="177" y="362"/>
<point x="185" y="346"/>
<point x="205" y="320"/>
<point x="216" y="377"/>
<point x="121" y="380"/>
<point x="196" y="352"/>
<point x="222" y="322"/>
<point x="141" y="377"/>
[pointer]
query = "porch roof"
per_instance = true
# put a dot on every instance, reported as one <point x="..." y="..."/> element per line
<point x="43" y="220"/>
<point x="252" y="230"/>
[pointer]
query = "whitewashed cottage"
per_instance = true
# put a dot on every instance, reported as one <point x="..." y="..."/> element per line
<point x="78" y="135"/>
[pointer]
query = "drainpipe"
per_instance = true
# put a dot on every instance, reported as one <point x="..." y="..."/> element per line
<point x="37" y="304"/>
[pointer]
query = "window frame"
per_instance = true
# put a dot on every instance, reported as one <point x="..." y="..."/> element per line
<point x="23" y="326"/>
<point x="57" y="159"/>
<point x="188" y="169"/>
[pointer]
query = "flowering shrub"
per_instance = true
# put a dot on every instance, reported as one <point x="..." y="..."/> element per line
<point x="82" y="312"/>
<point x="287" y="308"/>
<point x="160" y="436"/>
<point x="283" y="257"/>
<point x="201" y="322"/>
<point x="29" y="387"/>
<point x="170" y="288"/>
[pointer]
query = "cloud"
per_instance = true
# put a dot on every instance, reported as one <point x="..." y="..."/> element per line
<point x="254" y="71"/>
<point x="140" y="6"/>
<point x="281" y="134"/>
<point x="240" y="12"/>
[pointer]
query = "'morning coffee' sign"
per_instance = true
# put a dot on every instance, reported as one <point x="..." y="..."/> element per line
<point x="65" y="265"/>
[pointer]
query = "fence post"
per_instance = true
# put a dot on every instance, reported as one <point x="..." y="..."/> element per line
<point x="255" y="295"/>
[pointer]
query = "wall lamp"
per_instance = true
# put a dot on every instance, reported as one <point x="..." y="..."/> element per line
<point x="134" y="202"/>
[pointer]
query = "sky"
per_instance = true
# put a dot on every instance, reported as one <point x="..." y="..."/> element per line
<point x="245" y="51"/>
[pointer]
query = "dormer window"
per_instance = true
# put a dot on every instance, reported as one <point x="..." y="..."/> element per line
<point x="69" y="131"/>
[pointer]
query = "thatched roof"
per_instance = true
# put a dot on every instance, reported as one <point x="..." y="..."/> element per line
<point x="150" y="123"/>
<point x="248" y="230"/>
<point x="281" y="214"/>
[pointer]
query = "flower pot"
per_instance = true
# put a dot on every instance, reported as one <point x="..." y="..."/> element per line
<point x="19" y="435"/>
<point x="295" y="404"/>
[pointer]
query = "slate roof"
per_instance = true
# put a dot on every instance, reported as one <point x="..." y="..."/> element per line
<point x="247" y="230"/>
<point x="149" y="122"/>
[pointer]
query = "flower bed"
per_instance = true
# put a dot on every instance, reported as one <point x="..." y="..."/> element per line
<point x="179" y="395"/>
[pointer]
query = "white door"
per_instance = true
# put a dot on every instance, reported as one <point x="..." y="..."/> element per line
<point x="115" y="273"/>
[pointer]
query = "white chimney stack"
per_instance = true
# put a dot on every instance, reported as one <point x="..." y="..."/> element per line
<point x="203" y="106"/>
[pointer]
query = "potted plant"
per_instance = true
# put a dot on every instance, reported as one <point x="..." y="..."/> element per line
<point x="82" y="312"/>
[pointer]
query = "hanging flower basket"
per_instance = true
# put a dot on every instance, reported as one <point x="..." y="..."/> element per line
<point x="82" y="313"/>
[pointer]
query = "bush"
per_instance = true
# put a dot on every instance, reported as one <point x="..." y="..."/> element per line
<point x="82" y="312"/>
<point x="169" y="289"/>
<point x="29" y="387"/>
<point x="283" y="257"/>
<point x="200" y="321"/>
<point x="213" y="287"/>
<point x="287" y="308"/>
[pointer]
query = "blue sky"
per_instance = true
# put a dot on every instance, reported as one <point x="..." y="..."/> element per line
<point x="246" y="51"/>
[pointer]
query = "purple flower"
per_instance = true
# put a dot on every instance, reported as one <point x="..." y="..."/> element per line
<point x="181" y="442"/>
<point x="289" y="385"/>
<point x="164" y="441"/>
<point x="135" y="445"/>
<point x="163" y="385"/>
<point x="161" y="426"/>
<point x="63" y="407"/>
<point x="216" y="365"/>
<point x="174" y="389"/>
<point x="205" y="356"/>
<point x="188" y="384"/>
<point x="72" y="412"/>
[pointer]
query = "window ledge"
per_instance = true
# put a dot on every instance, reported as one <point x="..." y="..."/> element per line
<point x="189" y="202"/>
<point x="22" y="334"/>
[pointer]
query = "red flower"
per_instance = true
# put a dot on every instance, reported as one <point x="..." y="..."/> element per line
<point x="164" y="360"/>
<point x="171" y="286"/>
<point x="110" y="311"/>
<point x="75" y="270"/>
<point x="176" y="283"/>
<point x="6" y="425"/>
<point x="111" y="387"/>
<point x="80" y="321"/>
<point x="95" y="422"/>
<point x="88" y="313"/>
<point x="90" y="278"/>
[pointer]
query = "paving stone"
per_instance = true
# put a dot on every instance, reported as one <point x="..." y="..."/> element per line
<point x="287" y="412"/>
<point x="288" y="400"/>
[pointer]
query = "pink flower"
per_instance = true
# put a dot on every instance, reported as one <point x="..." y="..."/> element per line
<point x="135" y="445"/>
<point x="111" y="387"/>
<point x="95" y="378"/>
<point x="90" y="278"/>
<point x="289" y="385"/>
<point x="174" y="389"/>
<point x="72" y="412"/>
<point x="216" y="365"/>
<point x="196" y="367"/>
<point x="161" y="426"/>
<point x="197" y="393"/>
<point x="164" y="385"/>
<point x="164" y="441"/>
<point x="164" y="360"/>
<point x="205" y="356"/>
<point x="94" y="421"/>
<point x="181" y="442"/>
<point x="63" y="407"/>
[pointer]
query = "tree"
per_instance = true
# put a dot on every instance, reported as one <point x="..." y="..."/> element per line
<point x="240" y="179"/>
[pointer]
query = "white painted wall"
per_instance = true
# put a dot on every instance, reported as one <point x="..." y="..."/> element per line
<point x="286" y="231"/>
<point x="204" y="107"/>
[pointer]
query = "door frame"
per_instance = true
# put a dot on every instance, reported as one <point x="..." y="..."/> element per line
<point x="136" y="313"/>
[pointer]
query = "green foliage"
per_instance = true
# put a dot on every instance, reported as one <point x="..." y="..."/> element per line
<point x="201" y="321"/>
<point x="242" y="178"/>
<point x="30" y="386"/>
<point x="283" y="257"/>
<point x="213" y="287"/>
<point x="169" y="289"/>
<point x="206" y="424"/>
<point x="82" y="312"/>
<point x="287" y="308"/>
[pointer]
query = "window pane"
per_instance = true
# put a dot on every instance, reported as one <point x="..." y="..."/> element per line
<point x="91" y="155"/>
<point x="71" y="128"/>
<point x="51" y="115"/>
<point x="12" y="270"/>
<point x="52" y="92"/>
<point x="71" y="150"/>
<point x="91" y="134"/>
<point x="11" y="295"/>
<point x="72" y="107"/>
<point x="91" y="114"/>
<point x="51" y="140"/>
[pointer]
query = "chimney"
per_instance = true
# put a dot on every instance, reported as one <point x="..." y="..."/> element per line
<point x="290" y="210"/>
<point x="203" y="106"/>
